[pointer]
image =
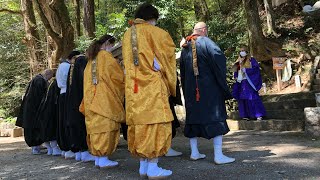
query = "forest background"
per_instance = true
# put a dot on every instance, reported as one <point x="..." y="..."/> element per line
<point x="36" y="34"/>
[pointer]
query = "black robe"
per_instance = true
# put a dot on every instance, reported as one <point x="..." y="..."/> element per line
<point x="205" y="118"/>
<point x="48" y="115"/>
<point x="63" y="136"/>
<point x="175" y="101"/>
<point x="29" y="110"/>
<point x="76" y="126"/>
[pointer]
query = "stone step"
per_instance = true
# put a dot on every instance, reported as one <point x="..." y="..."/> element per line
<point x="288" y="97"/>
<point x="288" y="114"/>
<point x="294" y="104"/>
<point x="266" y="125"/>
<point x="316" y="87"/>
<point x="316" y="81"/>
<point x="318" y="71"/>
<point x="317" y="76"/>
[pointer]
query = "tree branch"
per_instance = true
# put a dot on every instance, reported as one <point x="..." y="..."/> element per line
<point x="11" y="11"/>
<point x="46" y="23"/>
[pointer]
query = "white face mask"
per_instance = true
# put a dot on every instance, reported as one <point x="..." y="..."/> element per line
<point x="153" y="22"/>
<point x="243" y="54"/>
<point x="108" y="49"/>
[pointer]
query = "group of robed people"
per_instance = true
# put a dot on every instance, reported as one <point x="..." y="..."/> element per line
<point x="80" y="113"/>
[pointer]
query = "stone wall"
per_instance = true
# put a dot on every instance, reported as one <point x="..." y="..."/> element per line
<point x="312" y="121"/>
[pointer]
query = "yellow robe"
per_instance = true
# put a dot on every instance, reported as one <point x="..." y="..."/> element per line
<point x="102" y="104"/>
<point x="148" y="113"/>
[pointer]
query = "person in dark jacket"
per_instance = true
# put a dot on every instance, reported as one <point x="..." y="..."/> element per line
<point x="203" y="77"/>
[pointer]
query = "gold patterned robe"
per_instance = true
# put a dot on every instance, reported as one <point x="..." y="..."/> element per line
<point x="102" y="104"/>
<point x="148" y="113"/>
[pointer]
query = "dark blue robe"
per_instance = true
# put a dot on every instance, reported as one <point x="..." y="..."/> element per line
<point x="246" y="92"/>
<point x="205" y="118"/>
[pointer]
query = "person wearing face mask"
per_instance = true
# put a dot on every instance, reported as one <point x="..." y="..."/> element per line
<point x="204" y="84"/>
<point x="149" y="59"/>
<point x="246" y="88"/>
<point x="103" y="99"/>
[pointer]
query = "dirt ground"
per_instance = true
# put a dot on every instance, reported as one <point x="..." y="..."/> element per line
<point x="259" y="155"/>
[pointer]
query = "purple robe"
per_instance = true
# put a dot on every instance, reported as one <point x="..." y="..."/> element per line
<point x="246" y="92"/>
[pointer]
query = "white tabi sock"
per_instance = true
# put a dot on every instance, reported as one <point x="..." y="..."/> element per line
<point x="69" y="155"/>
<point x="86" y="156"/>
<point x="104" y="162"/>
<point x="219" y="158"/>
<point x="47" y="145"/>
<point x="96" y="161"/>
<point x="172" y="153"/>
<point x="55" y="149"/>
<point x="143" y="167"/>
<point x="195" y="155"/>
<point x="155" y="172"/>
<point x="36" y="150"/>
<point x="78" y="156"/>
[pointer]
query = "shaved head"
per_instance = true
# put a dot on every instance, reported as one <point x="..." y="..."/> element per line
<point x="47" y="74"/>
<point x="201" y="29"/>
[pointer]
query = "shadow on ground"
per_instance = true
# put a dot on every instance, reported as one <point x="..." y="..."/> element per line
<point x="259" y="155"/>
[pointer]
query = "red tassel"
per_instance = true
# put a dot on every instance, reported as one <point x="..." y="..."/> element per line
<point x="135" y="89"/>
<point x="197" y="95"/>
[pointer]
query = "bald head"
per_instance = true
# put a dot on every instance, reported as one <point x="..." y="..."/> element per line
<point x="201" y="29"/>
<point x="47" y="74"/>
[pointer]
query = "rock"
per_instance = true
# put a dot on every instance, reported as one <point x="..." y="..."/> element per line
<point x="313" y="131"/>
<point x="312" y="121"/>
<point x="312" y="115"/>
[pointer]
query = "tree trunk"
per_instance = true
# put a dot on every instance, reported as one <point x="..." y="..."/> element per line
<point x="32" y="38"/>
<point x="89" y="18"/>
<point x="78" y="17"/>
<point x="260" y="47"/>
<point x="55" y="17"/>
<point x="270" y="17"/>
<point x="201" y="10"/>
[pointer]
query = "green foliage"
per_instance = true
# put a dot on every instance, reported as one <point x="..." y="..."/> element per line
<point x="11" y="120"/>
<point x="229" y="32"/>
<point x="115" y="24"/>
<point x="13" y="65"/>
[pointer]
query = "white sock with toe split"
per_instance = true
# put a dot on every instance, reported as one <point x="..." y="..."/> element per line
<point x="96" y="161"/>
<point x="55" y="149"/>
<point x="78" y="156"/>
<point x="86" y="156"/>
<point x="143" y="167"/>
<point x="219" y="158"/>
<point x="36" y="150"/>
<point x="154" y="171"/>
<point x="171" y="153"/>
<point x="69" y="155"/>
<point x="195" y="155"/>
<point x="104" y="162"/>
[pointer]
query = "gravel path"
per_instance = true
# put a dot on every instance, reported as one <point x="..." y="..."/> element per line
<point x="259" y="155"/>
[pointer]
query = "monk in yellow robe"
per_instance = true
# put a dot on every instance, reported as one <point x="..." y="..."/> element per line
<point x="103" y="101"/>
<point x="150" y="66"/>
